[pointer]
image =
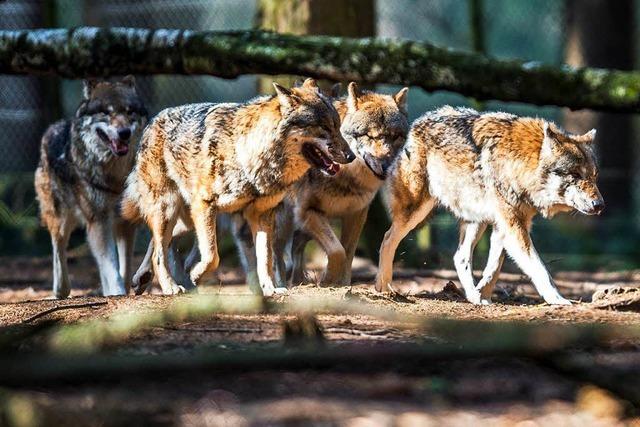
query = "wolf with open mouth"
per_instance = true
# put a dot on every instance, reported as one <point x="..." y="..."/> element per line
<point x="83" y="166"/>
<point x="197" y="161"/>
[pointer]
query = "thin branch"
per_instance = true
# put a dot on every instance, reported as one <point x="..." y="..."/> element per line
<point x="63" y="307"/>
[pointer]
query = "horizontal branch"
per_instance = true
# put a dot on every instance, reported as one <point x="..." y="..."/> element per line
<point x="86" y="52"/>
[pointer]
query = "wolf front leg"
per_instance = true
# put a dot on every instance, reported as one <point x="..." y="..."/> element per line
<point x="492" y="269"/>
<point x="125" y="238"/>
<point x="246" y="251"/>
<point x="401" y="225"/>
<point x="60" y="232"/>
<point x="519" y="246"/>
<point x="100" y="235"/>
<point x="203" y="215"/>
<point x="349" y="235"/>
<point x="470" y="233"/>
<point x="298" y="244"/>
<point x="261" y="224"/>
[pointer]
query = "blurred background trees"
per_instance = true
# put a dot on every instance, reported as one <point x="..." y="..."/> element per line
<point x="571" y="31"/>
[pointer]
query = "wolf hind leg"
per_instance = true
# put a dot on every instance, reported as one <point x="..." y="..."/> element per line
<point x="318" y="226"/>
<point x="351" y="229"/>
<point x="401" y="225"/>
<point x="470" y="233"/>
<point x="492" y="269"/>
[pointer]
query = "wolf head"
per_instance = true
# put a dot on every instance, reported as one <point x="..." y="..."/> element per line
<point x="569" y="172"/>
<point x="376" y="126"/>
<point x="309" y="117"/>
<point x="112" y="115"/>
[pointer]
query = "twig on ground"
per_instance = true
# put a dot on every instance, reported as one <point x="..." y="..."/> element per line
<point x="222" y="330"/>
<point x="63" y="307"/>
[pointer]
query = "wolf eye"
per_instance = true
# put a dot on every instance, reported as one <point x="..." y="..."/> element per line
<point x="575" y="175"/>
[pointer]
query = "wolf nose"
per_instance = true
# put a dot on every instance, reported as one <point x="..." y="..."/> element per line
<point x="124" y="134"/>
<point x="598" y="205"/>
<point x="350" y="156"/>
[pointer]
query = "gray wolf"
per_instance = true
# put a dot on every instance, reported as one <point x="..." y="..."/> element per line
<point x="83" y="166"/>
<point x="490" y="168"/>
<point x="196" y="161"/>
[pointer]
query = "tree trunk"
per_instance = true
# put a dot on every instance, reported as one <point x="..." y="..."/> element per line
<point x="99" y="52"/>
<point x="601" y="33"/>
<point x="346" y="18"/>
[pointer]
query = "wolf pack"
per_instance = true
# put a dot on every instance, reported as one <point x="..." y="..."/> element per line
<point x="283" y="168"/>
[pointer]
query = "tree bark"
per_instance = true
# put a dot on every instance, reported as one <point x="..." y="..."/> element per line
<point x="587" y="22"/>
<point x="85" y="52"/>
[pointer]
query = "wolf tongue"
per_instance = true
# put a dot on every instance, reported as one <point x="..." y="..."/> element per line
<point x="335" y="168"/>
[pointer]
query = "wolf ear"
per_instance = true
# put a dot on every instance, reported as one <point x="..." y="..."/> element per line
<point x="548" y="141"/>
<point x="129" y="80"/>
<point x="587" y="138"/>
<point x="87" y="87"/>
<point x="310" y="84"/>
<point x="352" y="97"/>
<point x="285" y="96"/>
<point x="334" y="92"/>
<point x="401" y="99"/>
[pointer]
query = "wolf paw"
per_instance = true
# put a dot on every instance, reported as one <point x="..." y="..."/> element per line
<point x="557" y="300"/>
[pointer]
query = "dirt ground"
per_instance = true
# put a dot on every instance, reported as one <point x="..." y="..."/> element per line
<point x="478" y="391"/>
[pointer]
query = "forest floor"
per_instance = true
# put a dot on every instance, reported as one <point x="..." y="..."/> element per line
<point x="499" y="389"/>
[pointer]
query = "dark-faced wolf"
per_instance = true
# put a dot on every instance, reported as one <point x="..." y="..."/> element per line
<point x="83" y="167"/>
<point x="196" y="161"/>
<point x="490" y="168"/>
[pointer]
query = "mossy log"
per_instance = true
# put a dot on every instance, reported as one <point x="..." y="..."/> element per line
<point x="85" y="52"/>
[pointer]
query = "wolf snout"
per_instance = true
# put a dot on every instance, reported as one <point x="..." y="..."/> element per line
<point x="378" y="166"/>
<point x="124" y="134"/>
<point x="597" y="206"/>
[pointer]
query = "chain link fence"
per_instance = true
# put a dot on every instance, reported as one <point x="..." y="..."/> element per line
<point x="521" y="29"/>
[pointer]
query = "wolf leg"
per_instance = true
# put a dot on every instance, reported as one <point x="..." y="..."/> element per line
<point x="318" y="227"/>
<point x="470" y="233"/>
<point x="100" y="235"/>
<point x="59" y="242"/>
<point x="492" y="269"/>
<point x="519" y="246"/>
<point x="162" y="231"/>
<point x="125" y="238"/>
<point x="401" y="225"/>
<point x="262" y="230"/>
<point x="281" y="240"/>
<point x="144" y="274"/>
<point x="246" y="251"/>
<point x="351" y="229"/>
<point x="300" y="240"/>
<point x="203" y="215"/>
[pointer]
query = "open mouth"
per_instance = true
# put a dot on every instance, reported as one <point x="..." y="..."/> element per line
<point x="319" y="160"/>
<point x="117" y="147"/>
<point x="373" y="164"/>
